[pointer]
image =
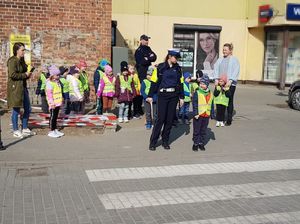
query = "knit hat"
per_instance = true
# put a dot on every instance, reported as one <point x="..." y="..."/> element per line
<point x="53" y="70"/>
<point x="73" y="70"/>
<point x="62" y="70"/>
<point x="103" y="62"/>
<point x="205" y="79"/>
<point x="224" y="78"/>
<point x="81" y="64"/>
<point x="107" y="69"/>
<point x="187" y="75"/>
<point x="124" y="66"/>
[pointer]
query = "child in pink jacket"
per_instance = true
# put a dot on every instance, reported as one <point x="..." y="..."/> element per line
<point x="106" y="88"/>
<point x="54" y="99"/>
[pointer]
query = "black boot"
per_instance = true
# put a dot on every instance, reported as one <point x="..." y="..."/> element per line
<point x="166" y="145"/>
<point x="195" y="148"/>
<point x="152" y="147"/>
<point x="201" y="147"/>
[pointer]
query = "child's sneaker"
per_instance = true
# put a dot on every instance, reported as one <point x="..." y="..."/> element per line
<point x="126" y="120"/>
<point x="28" y="132"/>
<point x="59" y="132"/>
<point x="148" y="126"/>
<point x="18" y="134"/>
<point x="53" y="134"/>
<point x="222" y="124"/>
<point x="120" y="120"/>
<point x="186" y="121"/>
<point x="218" y="124"/>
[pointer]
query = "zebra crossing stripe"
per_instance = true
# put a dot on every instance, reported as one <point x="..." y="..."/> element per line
<point x="190" y="169"/>
<point x="198" y="194"/>
<point x="251" y="219"/>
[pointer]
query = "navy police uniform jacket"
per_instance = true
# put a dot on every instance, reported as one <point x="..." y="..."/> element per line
<point x="168" y="77"/>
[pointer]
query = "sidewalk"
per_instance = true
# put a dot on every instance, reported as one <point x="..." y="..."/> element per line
<point x="249" y="173"/>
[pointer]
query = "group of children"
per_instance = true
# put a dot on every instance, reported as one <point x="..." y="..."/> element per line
<point x="127" y="89"/>
<point x="63" y="87"/>
<point x="69" y="88"/>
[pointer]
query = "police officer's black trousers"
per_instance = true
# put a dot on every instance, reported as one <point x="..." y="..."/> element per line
<point x="166" y="105"/>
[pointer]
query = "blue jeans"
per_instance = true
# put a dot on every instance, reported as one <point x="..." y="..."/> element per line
<point x="123" y="110"/>
<point x="184" y="110"/>
<point x="16" y="112"/>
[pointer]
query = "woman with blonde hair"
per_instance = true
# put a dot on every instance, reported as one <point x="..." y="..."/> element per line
<point x="228" y="65"/>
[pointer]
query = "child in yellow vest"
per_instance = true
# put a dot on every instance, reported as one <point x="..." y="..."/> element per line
<point x="185" y="108"/>
<point x="138" y="99"/>
<point x="76" y="90"/>
<point x="125" y="92"/>
<point x="106" y="88"/>
<point x="221" y="99"/>
<point x="202" y="101"/>
<point x="55" y="99"/>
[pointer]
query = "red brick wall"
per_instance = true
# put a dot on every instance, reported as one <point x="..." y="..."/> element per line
<point x="62" y="32"/>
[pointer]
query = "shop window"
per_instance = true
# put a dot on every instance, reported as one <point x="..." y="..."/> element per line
<point x="293" y="59"/>
<point x="199" y="47"/>
<point x="273" y="56"/>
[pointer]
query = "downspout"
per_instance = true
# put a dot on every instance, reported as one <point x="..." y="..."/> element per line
<point x="244" y="74"/>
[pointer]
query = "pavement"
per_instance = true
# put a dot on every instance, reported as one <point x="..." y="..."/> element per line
<point x="250" y="172"/>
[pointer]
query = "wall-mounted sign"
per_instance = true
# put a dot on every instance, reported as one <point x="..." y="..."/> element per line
<point x="265" y="13"/>
<point x="25" y="39"/>
<point x="293" y="12"/>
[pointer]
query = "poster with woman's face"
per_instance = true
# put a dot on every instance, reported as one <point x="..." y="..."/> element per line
<point x="208" y="52"/>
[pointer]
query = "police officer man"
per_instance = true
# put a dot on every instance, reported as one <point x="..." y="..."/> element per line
<point x="144" y="56"/>
<point x="169" y="87"/>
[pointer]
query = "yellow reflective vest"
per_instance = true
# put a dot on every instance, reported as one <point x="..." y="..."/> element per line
<point x="57" y="94"/>
<point x="221" y="98"/>
<point x="203" y="106"/>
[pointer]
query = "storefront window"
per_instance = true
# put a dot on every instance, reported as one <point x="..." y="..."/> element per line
<point x="185" y="41"/>
<point x="273" y="56"/>
<point x="199" y="50"/>
<point x="293" y="60"/>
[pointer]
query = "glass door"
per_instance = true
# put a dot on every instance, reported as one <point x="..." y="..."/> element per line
<point x="293" y="59"/>
<point x="273" y="56"/>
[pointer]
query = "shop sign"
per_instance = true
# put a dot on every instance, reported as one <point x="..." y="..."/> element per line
<point x="293" y="12"/>
<point x="265" y="13"/>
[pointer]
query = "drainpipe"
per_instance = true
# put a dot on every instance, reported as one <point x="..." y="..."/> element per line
<point x="244" y="74"/>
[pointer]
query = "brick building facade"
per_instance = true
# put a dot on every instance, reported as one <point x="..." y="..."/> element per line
<point x="61" y="31"/>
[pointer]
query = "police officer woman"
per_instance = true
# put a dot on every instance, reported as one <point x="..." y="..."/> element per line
<point x="169" y="87"/>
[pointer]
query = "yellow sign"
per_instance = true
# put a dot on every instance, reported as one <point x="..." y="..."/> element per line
<point x="25" y="39"/>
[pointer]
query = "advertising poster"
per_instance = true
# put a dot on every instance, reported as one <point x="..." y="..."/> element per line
<point x="25" y="39"/>
<point x="207" y="52"/>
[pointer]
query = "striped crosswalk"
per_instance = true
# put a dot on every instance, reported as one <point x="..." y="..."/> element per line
<point x="198" y="194"/>
<point x="275" y="218"/>
<point x="191" y="169"/>
<point x="207" y="193"/>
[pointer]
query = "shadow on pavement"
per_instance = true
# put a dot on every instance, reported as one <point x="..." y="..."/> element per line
<point x="16" y="142"/>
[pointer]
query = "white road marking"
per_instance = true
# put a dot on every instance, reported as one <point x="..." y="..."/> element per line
<point x="251" y="219"/>
<point x="198" y="194"/>
<point x="190" y="169"/>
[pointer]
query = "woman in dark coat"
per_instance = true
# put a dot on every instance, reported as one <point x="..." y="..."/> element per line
<point x="17" y="93"/>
